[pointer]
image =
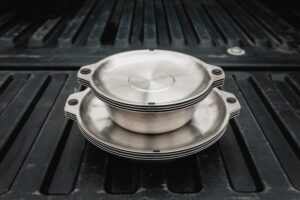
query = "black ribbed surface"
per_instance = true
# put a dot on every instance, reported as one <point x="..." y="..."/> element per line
<point x="99" y="28"/>
<point x="44" y="156"/>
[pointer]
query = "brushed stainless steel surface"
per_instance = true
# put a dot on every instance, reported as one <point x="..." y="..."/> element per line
<point x="154" y="157"/>
<point x="208" y="124"/>
<point x="153" y="108"/>
<point x="156" y="78"/>
<point x="151" y="122"/>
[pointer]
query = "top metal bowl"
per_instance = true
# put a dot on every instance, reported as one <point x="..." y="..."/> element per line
<point x="151" y="79"/>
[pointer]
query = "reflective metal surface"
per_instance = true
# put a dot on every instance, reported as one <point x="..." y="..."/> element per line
<point x="207" y="126"/>
<point x="151" y="79"/>
<point x="154" y="108"/>
<point x="151" y="122"/>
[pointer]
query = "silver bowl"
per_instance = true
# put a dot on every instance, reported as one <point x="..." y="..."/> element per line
<point x="206" y="127"/>
<point x="151" y="80"/>
<point x="151" y="122"/>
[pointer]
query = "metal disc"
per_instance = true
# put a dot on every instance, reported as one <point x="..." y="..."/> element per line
<point x="152" y="156"/>
<point x="156" y="108"/>
<point x="209" y="123"/>
<point x="151" y="78"/>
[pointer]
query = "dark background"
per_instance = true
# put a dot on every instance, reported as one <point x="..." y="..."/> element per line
<point x="43" y="44"/>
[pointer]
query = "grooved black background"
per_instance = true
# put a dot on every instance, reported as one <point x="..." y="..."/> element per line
<point x="43" y="155"/>
<point x="203" y="28"/>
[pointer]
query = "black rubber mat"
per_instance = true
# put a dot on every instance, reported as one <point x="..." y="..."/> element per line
<point x="44" y="156"/>
<point x="203" y="28"/>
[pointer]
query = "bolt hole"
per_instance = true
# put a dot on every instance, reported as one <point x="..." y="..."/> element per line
<point x="216" y="72"/>
<point x="85" y="71"/>
<point x="156" y="150"/>
<point x="231" y="100"/>
<point x="73" y="102"/>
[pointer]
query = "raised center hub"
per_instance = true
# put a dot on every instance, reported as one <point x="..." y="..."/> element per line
<point x="151" y="83"/>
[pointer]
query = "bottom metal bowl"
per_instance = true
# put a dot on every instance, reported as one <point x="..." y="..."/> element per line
<point x="206" y="127"/>
<point x="151" y="122"/>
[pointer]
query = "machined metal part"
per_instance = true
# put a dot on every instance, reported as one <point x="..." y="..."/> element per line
<point x="151" y="79"/>
<point x="151" y="122"/>
<point x="206" y="127"/>
<point x="157" y="108"/>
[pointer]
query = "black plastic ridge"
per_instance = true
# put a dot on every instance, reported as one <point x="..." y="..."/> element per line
<point x="48" y="158"/>
<point x="204" y="29"/>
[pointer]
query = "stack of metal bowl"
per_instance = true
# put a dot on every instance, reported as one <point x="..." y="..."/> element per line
<point x="152" y="104"/>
